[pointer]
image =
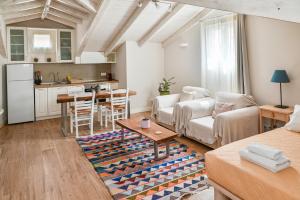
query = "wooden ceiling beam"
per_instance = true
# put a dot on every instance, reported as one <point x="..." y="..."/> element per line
<point x="118" y="36"/>
<point x="24" y="18"/>
<point x="87" y="4"/>
<point x="96" y="18"/>
<point x="20" y="7"/>
<point x="68" y="10"/>
<point x="190" y="24"/>
<point x="23" y="13"/>
<point x="46" y="9"/>
<point x="61" y="20"/>
<point x="73" y="5"/>
<point x="65" y="16"/>
<point x="160" y="24"/>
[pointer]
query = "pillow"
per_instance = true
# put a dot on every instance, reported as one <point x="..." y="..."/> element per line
<point x="239" y="100"/>
<point x="294" y="123"/>
<point x="198" y="91"/>
<point x="222" y="107"/>
<point x="186" y="96"/>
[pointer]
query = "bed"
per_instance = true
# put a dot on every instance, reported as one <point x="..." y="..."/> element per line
<point x="240" y="179"/>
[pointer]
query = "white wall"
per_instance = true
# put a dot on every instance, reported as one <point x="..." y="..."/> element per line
<point x="184" y="63"/>
<point x="140" y="69"/>
<point x="145" y="69"/>
<point x="273" y="44"/>
<point x="118" y="70"/>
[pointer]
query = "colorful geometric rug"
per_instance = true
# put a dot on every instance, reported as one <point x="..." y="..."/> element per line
<point x="129" y="171"/>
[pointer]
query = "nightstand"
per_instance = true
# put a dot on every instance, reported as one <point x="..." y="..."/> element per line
<point x="275" y="114"/>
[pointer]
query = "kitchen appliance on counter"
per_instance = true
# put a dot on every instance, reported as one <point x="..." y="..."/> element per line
<point x="20" y="93"/>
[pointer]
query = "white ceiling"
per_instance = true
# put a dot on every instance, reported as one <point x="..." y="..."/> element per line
<point x="288" y="10"/>
<point x="102" y="25"/>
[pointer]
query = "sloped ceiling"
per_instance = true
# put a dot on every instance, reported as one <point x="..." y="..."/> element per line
<point x="288" y="10"/>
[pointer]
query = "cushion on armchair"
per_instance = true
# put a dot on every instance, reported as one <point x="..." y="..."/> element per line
<point x="187" y="96"/>
<point x="198" y="91"/>
<point x="238" y="100"/>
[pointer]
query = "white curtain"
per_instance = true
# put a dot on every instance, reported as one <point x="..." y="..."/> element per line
<point x="219" y="54"/>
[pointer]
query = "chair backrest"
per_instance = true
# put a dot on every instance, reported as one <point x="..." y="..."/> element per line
<point x="76" y="89"/>
<point x="80" y="105"/>
<point x="119" y="97"/>
<point x="104" y="86"/>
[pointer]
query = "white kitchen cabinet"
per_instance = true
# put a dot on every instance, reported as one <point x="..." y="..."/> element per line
<point x="41" y="102"/>
<point x="53" y="107"/>
<point x="17" y="44"/>
<point x="66" y="45"/>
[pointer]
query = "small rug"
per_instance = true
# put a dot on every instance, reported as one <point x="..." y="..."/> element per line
<point x="129" y="171"/>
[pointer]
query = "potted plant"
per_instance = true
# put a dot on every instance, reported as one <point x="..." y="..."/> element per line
<point x="164" y="86"/>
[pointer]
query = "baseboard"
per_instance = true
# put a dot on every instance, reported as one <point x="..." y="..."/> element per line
<point x="138" y="110"/>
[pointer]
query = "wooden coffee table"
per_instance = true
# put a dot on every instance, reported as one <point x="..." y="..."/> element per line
<point x="163" y="138"/>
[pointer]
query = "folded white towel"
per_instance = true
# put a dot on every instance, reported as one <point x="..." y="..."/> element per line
<point x="272" y="165"/>
<point x="265" y="151"/>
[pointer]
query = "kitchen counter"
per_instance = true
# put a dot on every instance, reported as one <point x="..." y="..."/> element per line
<point x="50" y="85"/>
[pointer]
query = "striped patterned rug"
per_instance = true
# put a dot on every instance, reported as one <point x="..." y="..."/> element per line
<point x="129" y="171"/>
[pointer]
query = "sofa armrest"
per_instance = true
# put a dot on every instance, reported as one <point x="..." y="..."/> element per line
<point x="164" y="102"/>
<point x="237" y="124"/>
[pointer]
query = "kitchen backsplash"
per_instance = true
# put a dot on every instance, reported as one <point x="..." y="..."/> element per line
<point x="87" y="71"/>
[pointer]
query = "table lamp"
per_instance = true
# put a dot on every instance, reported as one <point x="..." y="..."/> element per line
<point x="280" y="76"/>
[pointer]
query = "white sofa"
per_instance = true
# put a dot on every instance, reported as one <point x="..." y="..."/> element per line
<point x="167" y="109"/>
<point x="241" y="122"/>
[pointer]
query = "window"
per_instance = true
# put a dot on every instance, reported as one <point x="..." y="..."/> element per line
<point x="218" y="54"/>
<point x="42" y="41"/>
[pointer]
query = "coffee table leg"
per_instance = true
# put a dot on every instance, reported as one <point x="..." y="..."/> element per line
<point x="155" y="151"/>
<point x="122" y="135"/>
<point x="167" y="149"/>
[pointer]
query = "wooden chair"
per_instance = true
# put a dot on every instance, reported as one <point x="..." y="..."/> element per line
<point x="83" y="113"/>
<point x="118" y="106"/>
<point x="103" y="104"/>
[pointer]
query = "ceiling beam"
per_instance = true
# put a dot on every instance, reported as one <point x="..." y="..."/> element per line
<point x="87" y="4"/>
<point x="68" y="10"/>
<point x="65" y="16"/>
<point x="72" y="4"/>
<point x="20" y="7"/>
<point x="61" y="20"/>
<point x="23" y="13"/>
<point x="2" y="40"/>
<point x="160" y="24"/>
<point x="96" y="18"/>
<point x="190" y="24"/>
<point x="24" y="18"/>
<point x="133" y="17"/>
<point x="46" y="9"/>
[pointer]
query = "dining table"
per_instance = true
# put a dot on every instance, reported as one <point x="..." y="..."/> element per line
<point x="65" y="99"/>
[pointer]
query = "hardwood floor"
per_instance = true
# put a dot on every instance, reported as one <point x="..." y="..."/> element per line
<point x="37" y="163"/>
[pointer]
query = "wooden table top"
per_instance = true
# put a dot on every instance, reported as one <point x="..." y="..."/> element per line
<point x="134" y="125"/>
<point x="286" y="111"/>
<point x="64" y="98"/>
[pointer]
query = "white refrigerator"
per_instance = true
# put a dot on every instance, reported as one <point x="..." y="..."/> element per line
<point x="20" y="93"/>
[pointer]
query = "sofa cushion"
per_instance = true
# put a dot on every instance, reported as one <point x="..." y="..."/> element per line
<point x="187" y="96"/>
<point x="165" y="115"/>
<point x="239" y="100"/>
<point x="202" y="129"/>
<point x="222" y="107"/>
<point x="198" y="91"/>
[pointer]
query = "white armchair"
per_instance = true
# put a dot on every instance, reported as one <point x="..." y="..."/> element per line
<point x="226" y="127"/>
<point x="167" y="109"/>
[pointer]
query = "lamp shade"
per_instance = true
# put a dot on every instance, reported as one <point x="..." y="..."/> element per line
<point x="280" y="76"/>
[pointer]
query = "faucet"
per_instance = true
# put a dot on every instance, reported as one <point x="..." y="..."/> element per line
<point x="53" y="76"/>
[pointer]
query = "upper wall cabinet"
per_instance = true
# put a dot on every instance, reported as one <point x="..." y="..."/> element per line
<point x="37" y="45"/>
<point x="95" y="58"/>
<point x="66" y="45"/>
<point x="17" y="44"/>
